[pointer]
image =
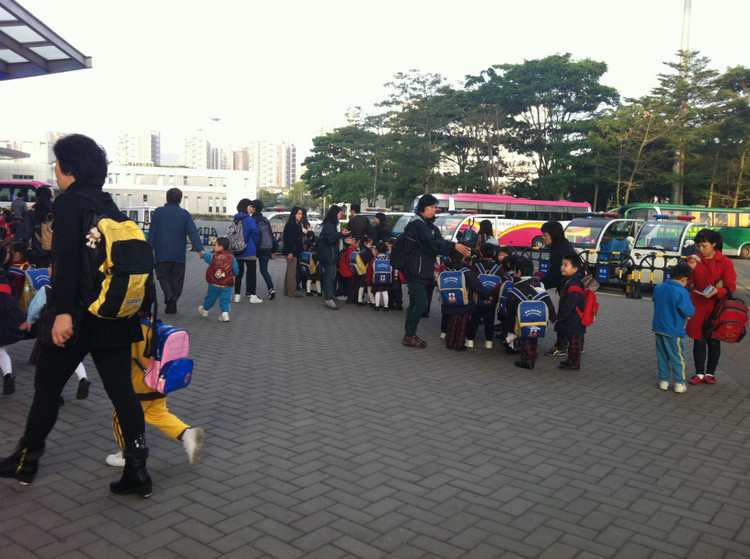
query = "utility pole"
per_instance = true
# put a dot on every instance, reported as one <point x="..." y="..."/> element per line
<point x="678" y="168"/>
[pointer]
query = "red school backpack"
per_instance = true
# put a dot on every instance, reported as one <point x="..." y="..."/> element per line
<point x="590" y="306"/>
<point x="728" y="320"/>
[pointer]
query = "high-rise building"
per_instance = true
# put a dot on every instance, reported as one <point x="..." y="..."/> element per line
<point x="197" y="151"/>
<point x="273" y="164"/>
<point x="139" y="149"/>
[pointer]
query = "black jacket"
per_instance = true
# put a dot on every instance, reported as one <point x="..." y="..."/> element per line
<point x="554" y="277"/>
<point x="568" y="317"/>
<point x="293" y="237"/>
<point x="328" y="244"/>
<point x="426" y="245"/>
<point x="68" y="239"/>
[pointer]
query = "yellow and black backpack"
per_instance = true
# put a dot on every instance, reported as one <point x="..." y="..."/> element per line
<point x="117" y="264"/>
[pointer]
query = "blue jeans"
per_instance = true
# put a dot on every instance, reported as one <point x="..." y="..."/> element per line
<point x="223" y="294"/>
<point x="263" y="258"/>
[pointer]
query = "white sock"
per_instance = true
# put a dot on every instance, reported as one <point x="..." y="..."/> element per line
<point x="80" y="371"/>
<point x="385" y="298"/>
<point x="5" y="364"/>
<point x="317" y="286"/>
<point x="309" y="285"/>
<point x="360" y="294"/>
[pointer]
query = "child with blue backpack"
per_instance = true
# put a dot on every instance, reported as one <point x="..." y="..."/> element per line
<point x="309" y="264"/>
<point x="458" y="284"/>
<point x="379" y="276"/>
<point x="523" y="289"/>
<point x="488" y="272"/>
<point x="154" y="403"/>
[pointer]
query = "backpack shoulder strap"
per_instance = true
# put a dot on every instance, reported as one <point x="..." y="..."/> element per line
<point x="518" y="294"/>
<point x="575" y="289"/>
<point x="480" y="267"/>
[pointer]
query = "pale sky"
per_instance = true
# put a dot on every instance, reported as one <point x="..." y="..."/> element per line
<point x="281" y="70"/>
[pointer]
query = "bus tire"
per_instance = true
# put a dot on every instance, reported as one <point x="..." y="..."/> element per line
<point x="745" y="251"/>
<point x="538" y="242"/>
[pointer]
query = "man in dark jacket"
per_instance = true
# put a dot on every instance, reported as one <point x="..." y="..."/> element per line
<point x="425" y="245"/>
<point x="170" y="225"/>
<point x="359" y="225"/>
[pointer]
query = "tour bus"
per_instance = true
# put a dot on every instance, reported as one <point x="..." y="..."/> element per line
<point x="733" y="224"/>
<point x="9" y="189"/>
<point x="515" y="221"/>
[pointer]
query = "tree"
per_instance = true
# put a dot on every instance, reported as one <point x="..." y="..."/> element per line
<point x="553" y="102"/>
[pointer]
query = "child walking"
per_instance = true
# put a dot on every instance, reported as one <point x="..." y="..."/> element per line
<point x="222" y="268"/>
<point x="569" y="311"/>
<point x="672" y="309"/>
<point x="154" y="403"/>
<point x="525" y="285"/>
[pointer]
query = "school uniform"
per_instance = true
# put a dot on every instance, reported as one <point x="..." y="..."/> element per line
<point x="484" y="314"/>
<point x="569" y="321"/>
<point x="359" y="281"/>
<point x="457" y="316"/>
<point x="528" y="289"/>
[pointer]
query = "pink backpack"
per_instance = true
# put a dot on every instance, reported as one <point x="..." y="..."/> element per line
<point x="169" y="368"/>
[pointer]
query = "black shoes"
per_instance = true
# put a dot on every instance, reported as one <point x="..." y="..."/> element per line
<point x="522" y="365"/>
<point x="9" y="384"/>
<point x="83" y="389"/>
<point x="170" y="306"/>
<point x="135" y="478"/>
<point x="22" y="464"/>
<point x="565" y="366"/>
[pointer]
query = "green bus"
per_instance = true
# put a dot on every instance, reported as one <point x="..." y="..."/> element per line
<point x="733" y="224"/>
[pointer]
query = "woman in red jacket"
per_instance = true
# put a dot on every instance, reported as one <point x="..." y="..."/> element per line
<point x="713" y="279"/>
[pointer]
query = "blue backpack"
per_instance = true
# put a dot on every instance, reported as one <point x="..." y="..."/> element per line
<point x="357" y="265"/>
<point x="309" y="263"/>
<point x="502" y="300"/>
<point x="531" y="315"/>
<point x="381" y="271"/>
<point x="453" y="288"/>
<point x="489" y="280"/>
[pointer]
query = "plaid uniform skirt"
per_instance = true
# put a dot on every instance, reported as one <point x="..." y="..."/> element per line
<point x="575" y="346"/>
<point x="528" y="350"/>
<point x="455" y="334"/>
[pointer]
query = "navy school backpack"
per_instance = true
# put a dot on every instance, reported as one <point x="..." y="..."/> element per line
<point x="453" y="289"/>
<point x="381" y="272"/>
<point x="489" y="280"/>
<point x="531" y="315"/>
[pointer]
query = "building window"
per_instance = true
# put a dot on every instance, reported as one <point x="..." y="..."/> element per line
<point x="185" y="203"/>
<point x="117" y="199"/>
<point x="145" y="199"/>
<point x="210" y="204"/>
<point x="184" y="180"/>
<point x="198" y="204"/>
<point x="224" y="205"/>
<point x="130" y="200"/>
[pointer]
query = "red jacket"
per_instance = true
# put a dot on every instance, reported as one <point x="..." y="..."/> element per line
<point x="708" y="272"/>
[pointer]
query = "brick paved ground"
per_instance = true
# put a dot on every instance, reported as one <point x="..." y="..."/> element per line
<point x="327" y="438"/>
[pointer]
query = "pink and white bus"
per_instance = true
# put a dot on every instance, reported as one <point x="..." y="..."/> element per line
<point x="515" y="221"/>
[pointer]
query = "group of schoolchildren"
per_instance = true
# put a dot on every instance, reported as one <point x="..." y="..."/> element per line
<point x="364" y="274"/>
<point x="497" y="284"/>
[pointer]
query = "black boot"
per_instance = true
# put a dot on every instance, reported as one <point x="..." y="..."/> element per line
<point x="135" y="478"/>
<point x="22" y="464"/>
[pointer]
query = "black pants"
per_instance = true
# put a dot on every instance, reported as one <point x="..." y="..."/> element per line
<point x="250" y="279"/>
<point x="485" y="315"/>
<point x="52" y="373"/>
<point x="171" y="276"/>
<point x="699" y="356"/>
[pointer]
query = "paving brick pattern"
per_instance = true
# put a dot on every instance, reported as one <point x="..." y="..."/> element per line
<point x="326" y="438"/>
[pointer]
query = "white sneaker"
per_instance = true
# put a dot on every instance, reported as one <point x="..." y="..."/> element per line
<point x="488" y="345"/>
<point x="680" y="387"/>
<point x="192" y="440"/>
<point x="237" y="297"/>
<point x="117" y="460"/>
<point x="442" y="335"/>
<point x="203" y="312"/>
<point x="331" y="304"/>
<point x="469" y="343"/>
<point x="254" y="299"/>
<point x="224" y="317"/>
<point x="664" y="385"/>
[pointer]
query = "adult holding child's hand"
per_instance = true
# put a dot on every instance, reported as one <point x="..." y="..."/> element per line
<point x="714" y="278"/>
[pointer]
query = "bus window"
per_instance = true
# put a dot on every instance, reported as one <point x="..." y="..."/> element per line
<point x="720" y="219"/>
<point x="744" y="220"/>
<point x="705" y="217"/>
<point x="4" y="193"/>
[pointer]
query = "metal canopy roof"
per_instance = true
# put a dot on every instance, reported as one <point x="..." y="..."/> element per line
<point x="30" y="48"/>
